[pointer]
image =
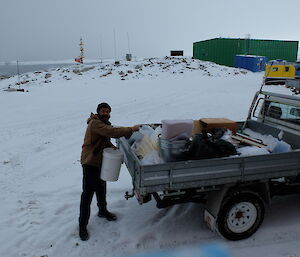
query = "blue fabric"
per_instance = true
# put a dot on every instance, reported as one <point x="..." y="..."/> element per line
<point x="211" y="250"/>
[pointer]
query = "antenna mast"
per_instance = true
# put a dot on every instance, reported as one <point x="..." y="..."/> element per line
<point x="18" y="73"/>
<point x="101" y="56"/>
<point x="115" y="45"/>
<point x="81" y="51"/>
<point x="128" y="43"/>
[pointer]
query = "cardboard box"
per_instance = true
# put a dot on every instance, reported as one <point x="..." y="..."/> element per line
<point x="197" y="127"/>
<point x="176" y="129"/>
<point x="209" y="123"/>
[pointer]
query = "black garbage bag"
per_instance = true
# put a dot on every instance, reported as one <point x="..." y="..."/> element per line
<point x="205" y="147"/>
<point x="225" y="148"/>
<point x="217" y="133"/>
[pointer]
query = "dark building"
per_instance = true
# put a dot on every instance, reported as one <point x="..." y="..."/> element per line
<point x="176" y="53"/>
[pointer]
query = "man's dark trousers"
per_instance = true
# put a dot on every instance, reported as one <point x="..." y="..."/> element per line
<point x="91" y="183"/>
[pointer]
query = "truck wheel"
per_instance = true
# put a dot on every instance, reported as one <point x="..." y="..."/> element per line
<point x="240" y="216"/>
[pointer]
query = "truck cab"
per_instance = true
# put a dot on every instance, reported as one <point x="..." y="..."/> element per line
<point x="280" y="111"/>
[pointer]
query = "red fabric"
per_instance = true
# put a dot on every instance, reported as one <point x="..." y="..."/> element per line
<point x="78" y="60"/>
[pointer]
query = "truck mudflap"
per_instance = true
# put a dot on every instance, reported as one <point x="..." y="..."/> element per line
<point x="210" y="220"/>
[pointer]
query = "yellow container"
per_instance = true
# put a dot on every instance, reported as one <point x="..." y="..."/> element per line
<point x="279" y="71"/>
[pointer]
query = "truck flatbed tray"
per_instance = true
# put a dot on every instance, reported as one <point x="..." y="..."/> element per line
<point x="209" y="172"/>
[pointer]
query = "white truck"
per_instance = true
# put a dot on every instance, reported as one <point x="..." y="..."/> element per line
<point x="234" y="190"/>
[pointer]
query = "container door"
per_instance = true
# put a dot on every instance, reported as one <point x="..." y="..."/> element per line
<point x="260" y="64"/>
<point x="255" y="64"/>
<point x="265" y="61"/>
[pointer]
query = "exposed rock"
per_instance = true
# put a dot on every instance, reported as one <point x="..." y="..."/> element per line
<point x="66" y="78"/>
<point x="87" y="68"/>
<point x="4" y="77"/>
<point x="48" y="75"/>
<point x="77" y="71"/>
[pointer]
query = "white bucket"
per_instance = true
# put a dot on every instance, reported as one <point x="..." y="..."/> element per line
<point x="111" y="164"/>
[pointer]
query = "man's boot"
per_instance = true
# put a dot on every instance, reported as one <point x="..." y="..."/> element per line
<point x="104" y="213"/>
<point x="83" y="233"/>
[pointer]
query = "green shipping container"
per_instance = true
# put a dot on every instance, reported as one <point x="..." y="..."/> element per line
<point x="224" y="50"/>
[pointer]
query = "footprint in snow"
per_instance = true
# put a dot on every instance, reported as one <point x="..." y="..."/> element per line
<point x="29" y="215"/>
<point x="146" y="240"/>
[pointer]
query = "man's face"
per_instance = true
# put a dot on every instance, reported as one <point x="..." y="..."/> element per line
<point x="104" y="114"/>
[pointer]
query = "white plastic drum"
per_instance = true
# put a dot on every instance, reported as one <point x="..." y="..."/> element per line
<point x="111" y="164"/>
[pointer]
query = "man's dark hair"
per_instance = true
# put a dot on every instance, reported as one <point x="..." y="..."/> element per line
<point x="103" y="105"/>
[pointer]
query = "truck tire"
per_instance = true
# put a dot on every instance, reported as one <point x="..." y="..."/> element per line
<point x="240" y="216"/>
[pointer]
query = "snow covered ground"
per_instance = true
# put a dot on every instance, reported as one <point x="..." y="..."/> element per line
<point x="41" y="133"/>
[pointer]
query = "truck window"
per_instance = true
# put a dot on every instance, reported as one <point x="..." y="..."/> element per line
<point x="284" y="112"/>
<point x="274" y="112"/>
<point x="295" y="112"/>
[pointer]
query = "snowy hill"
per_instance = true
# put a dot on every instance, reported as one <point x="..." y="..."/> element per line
<point x="40" y="143"/>
<point x="149" y="68"/>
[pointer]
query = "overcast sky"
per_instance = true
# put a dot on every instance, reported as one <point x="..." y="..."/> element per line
<point x="50" y="29"/>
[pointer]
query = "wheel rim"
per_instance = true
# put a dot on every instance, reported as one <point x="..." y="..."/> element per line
<point x="241" y="217"/>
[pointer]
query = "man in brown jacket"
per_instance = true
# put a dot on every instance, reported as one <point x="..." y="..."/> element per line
<point x="97" y="137"/>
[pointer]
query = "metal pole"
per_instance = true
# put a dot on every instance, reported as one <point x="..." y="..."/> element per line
<point x="101" y="57"/>
<point x="115" y="45"/>
<point x="128" y="43"/>
<point x="81" y="50"/>
<point x="18" y="73"/>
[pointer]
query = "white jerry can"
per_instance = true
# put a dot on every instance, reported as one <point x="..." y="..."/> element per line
<point x="111" y="164"/>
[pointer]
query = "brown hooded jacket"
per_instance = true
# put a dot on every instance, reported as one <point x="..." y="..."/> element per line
<point x="97" y="137"/>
